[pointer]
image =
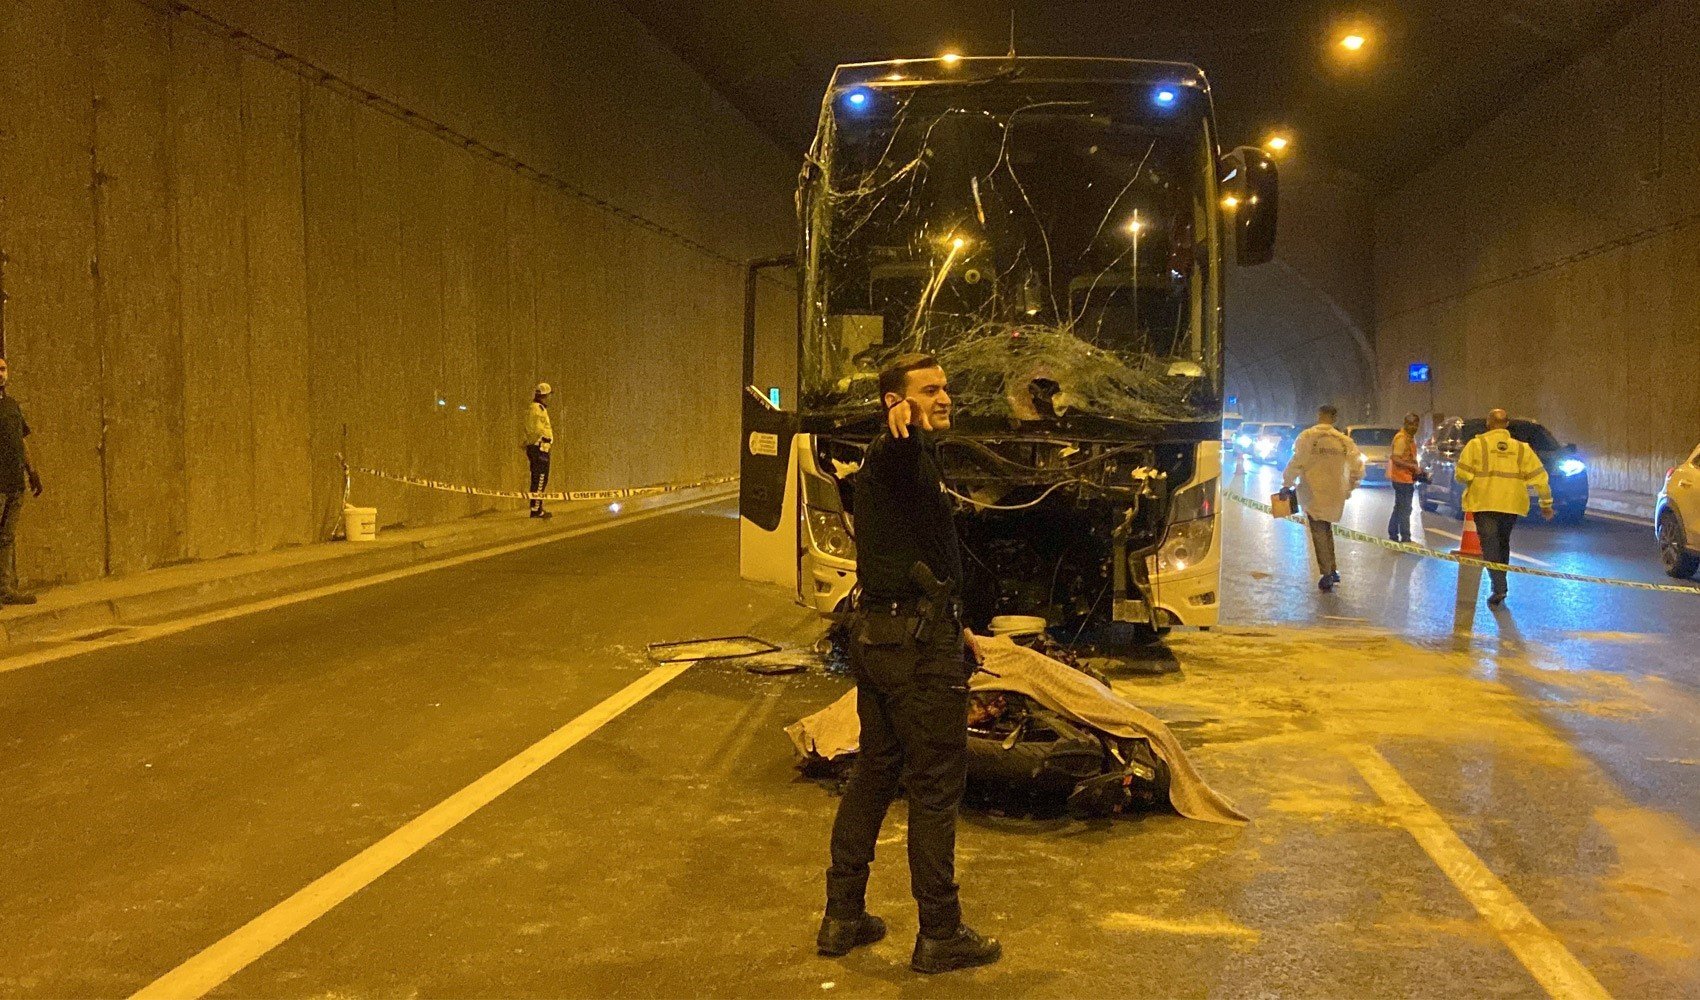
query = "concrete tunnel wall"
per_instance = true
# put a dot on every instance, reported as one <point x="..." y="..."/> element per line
<point x="1551" y="264"/>
<point x="218" y="259"/>
<point x="1298" y="328"/>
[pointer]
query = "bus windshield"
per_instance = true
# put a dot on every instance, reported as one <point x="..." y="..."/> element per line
<point x="1054" y="244"/>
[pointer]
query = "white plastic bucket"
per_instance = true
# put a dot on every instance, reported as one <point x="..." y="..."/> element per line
<point x="1016" y="626"/>
<point x="360" y="524"/>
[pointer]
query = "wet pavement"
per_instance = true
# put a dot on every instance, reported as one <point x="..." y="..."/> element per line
<point x="1446" y="800"/>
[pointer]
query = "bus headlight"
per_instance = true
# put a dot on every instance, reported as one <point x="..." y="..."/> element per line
<point x="1191" y="531"/>
<point x="1186" y="545"/>
<point x="829" y="533"/>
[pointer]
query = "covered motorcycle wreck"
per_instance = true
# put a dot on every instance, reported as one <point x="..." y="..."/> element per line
<point x="1050" y="731"/>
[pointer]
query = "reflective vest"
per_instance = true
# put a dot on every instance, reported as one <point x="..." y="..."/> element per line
<point x="1498" y="471"/>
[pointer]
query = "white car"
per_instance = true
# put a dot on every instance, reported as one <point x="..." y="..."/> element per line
<point x="1676" y="518"/>
<point x="1375" y="442"/>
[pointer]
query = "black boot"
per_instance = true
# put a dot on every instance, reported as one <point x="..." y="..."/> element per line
<point x="962" y="950"/>
<point x="837" y="937"/>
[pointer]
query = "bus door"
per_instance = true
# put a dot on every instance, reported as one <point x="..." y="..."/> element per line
<point x="767" y="488"/>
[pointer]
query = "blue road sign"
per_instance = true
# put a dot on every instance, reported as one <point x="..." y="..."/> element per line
<point x="1419" y="372"/>
<point x="1233" y="401"/>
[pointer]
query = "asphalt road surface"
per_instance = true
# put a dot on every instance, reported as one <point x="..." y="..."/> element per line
<point x="336" y="798"/>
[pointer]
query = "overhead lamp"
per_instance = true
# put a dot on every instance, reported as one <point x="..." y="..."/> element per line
<point x="1135" y="226"/>
<point x="1230" y="202"/>
<point x="1353" y="42"/>
<point x="950" y="58"/>
<point x="1277" y="143"/>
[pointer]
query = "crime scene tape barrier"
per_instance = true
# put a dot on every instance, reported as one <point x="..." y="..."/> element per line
<point x="1423" y="550"/>
<point x="475" y="491"/>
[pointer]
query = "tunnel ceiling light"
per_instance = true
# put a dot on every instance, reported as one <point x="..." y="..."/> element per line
<point x="1353" y="42"/>
<point x="1278" y="143"/>
<point x="951" y="58"/>
<point x="1230" y="202"/>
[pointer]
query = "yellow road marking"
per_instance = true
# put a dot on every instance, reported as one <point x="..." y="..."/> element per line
<point x="1540" y="951"/>
<point x="1209" y="927"/>
<point x="205" y="971"/>
<point x="143" y="633"/>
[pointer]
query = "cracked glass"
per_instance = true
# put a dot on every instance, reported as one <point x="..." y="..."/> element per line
<point x="1044" y="228"/>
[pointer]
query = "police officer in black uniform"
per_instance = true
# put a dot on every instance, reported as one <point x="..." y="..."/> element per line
<point x="911" y="681"/>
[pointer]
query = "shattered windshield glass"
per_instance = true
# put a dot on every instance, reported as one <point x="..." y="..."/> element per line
<point x="1052" y="242"/>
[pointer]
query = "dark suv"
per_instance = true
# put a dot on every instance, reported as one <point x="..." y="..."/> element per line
<point x="1566" y="470"/>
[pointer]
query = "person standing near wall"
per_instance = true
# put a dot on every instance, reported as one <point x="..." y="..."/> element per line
<point x="1402" y="472"/>
<point x="1498" y="471"/>
<point x="1326" y="466"/>
<point x="539" y="437"/>
<point x="17" y="472"/>
<point x="906" y="650"/>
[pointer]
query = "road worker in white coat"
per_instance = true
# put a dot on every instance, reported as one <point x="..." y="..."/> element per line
<point x="1326" y="466"/>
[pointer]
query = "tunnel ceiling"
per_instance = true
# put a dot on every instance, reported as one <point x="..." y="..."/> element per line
<point x="1432" y="73"/>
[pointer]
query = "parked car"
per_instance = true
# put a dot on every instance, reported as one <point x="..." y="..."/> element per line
<point x="1247" y="436"/>
<point x="1676" y="518"/>
<point x="1566" y="469"/>
<point x="1375" y="443"/>
<point x="1267" y="447"/>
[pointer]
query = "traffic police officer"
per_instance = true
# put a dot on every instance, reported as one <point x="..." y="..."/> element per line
<point x="911" y="680"/>
<point x="1498" y="471"/>
<point x="539" y="438"/>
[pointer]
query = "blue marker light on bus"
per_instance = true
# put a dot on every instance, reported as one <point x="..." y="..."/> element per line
<point x="857" y="99"/>
<point x="1165" y="97"/>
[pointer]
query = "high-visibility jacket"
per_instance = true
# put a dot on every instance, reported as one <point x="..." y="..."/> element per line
<point x="538" y="431"/>
<point x="1498" y="471"/>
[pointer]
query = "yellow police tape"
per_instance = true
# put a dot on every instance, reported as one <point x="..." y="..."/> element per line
<point x="1423" y="550"/>
<point x="475" y="491"/>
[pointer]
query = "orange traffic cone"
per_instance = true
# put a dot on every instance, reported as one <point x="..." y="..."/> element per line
<point x="1471" y="544"/>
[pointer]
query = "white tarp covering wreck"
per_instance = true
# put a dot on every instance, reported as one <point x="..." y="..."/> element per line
<point x="833" y="732"/>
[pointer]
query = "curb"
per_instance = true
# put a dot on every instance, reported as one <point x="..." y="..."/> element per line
<point x="318" y="565"/>
<point x="1640" y="513"/>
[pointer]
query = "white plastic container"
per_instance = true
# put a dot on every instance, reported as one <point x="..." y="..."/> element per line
<point x="1016" y="626"/>
<point x="360" y="524"/>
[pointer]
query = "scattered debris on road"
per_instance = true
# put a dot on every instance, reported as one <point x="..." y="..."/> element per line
<point x="722" y="648"/>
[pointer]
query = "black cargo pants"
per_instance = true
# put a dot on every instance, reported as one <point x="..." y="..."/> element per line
<point x="539" y="460"/>
<point x="912" y="698"/>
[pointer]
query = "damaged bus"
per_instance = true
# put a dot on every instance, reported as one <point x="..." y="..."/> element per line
<point x="1053" y="231"/>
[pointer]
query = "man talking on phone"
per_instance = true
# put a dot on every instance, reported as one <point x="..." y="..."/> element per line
<point x="911" y="680"/>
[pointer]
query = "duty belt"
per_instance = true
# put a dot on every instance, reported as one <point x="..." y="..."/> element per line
<point x="914" y="607"/>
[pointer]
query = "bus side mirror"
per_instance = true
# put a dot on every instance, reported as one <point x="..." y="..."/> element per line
<point x="1251" y="194"/>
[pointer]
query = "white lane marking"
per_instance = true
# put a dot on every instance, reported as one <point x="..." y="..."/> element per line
<point x="1209" y="926"/>
<point x="1538" y="948"/>
<point x="1515" y="555"/>
<point x="207" y="970"/>
<point x="143" y="633"/>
